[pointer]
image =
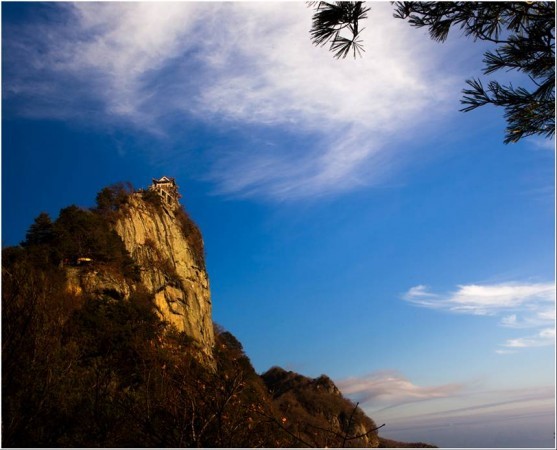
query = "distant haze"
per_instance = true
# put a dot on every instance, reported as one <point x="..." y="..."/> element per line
<point x="519" y="432"/>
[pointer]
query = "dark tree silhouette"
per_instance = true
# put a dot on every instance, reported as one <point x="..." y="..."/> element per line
<point x="332" y="20"/>
<point x="40" y="232"/>
<point x="523" y="34"/>
<point x="111" y="198"/>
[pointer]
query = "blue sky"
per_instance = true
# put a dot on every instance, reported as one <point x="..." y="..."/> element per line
<point x="356" y="224"/>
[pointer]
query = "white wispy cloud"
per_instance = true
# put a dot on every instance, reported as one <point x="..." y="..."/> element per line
<point x="487" y="299"/>
<point x="243" y="65"/>
<point x="101" y="50"/>
<point x="389" y="389"/>
<point x="352" y="107"/>
<point x="283" y="78"/>
<point x="544" y="337"/>
<point x="504" y="351"/>
<point x="538" y="316"/>
<point x="521" y="305"/>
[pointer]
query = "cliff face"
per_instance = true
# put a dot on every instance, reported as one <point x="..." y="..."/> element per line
<point x="169" y="265"/>
<point x="166" y="256"/>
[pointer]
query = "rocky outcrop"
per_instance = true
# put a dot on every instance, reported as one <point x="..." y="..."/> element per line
<point x="97" y="280"/>
<point x="150" y="245"/>
<point x="320" y="414"/>
<point x="170" y="267"/>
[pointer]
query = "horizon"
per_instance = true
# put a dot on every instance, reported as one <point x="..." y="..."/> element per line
<point x="356" y="224"/>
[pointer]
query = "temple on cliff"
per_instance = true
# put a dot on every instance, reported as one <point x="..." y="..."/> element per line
<point x="167" y="189"/>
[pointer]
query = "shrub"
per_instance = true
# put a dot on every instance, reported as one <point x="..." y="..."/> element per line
<point x="153" y="198"/>
<point x="111" y="198"/>
<point x="193" y="236"/>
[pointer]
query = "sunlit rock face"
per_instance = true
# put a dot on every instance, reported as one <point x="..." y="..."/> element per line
<point x="97" y="281"/>
<point x="169" y="266"/>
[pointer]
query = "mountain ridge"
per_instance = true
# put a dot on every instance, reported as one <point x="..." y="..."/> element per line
<point x="108" y="340"/>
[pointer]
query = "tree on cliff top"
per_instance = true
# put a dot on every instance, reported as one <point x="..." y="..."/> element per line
<point x="40" y="232"/>
<point x="524" y="38"/>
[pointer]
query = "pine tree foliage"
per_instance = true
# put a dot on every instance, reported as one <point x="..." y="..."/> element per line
<point x="332" y="19"/>
<point x="523" y="34"/>
<point x="40" y="232"/>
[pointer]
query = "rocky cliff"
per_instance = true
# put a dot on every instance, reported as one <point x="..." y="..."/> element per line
<point x="166" y="250"/>
<point x="170" y="266"/>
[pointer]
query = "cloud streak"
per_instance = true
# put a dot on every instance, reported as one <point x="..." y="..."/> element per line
<point x="542" y="338"/>
<point x="239" y="66"/>
<point x="353" y="108"/>
<point x="521" y="305"/>
<point x="479" y="405"/>
<point x="392" y="389"/>
<point x="487" y="299"/>
<point x="389" y="397"/>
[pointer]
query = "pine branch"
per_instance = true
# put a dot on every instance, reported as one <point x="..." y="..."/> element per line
<point x="331" y="19"/>
<point x="524" y="33"/>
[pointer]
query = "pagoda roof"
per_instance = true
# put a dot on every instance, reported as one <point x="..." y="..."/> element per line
<point x="164" y="179"/>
